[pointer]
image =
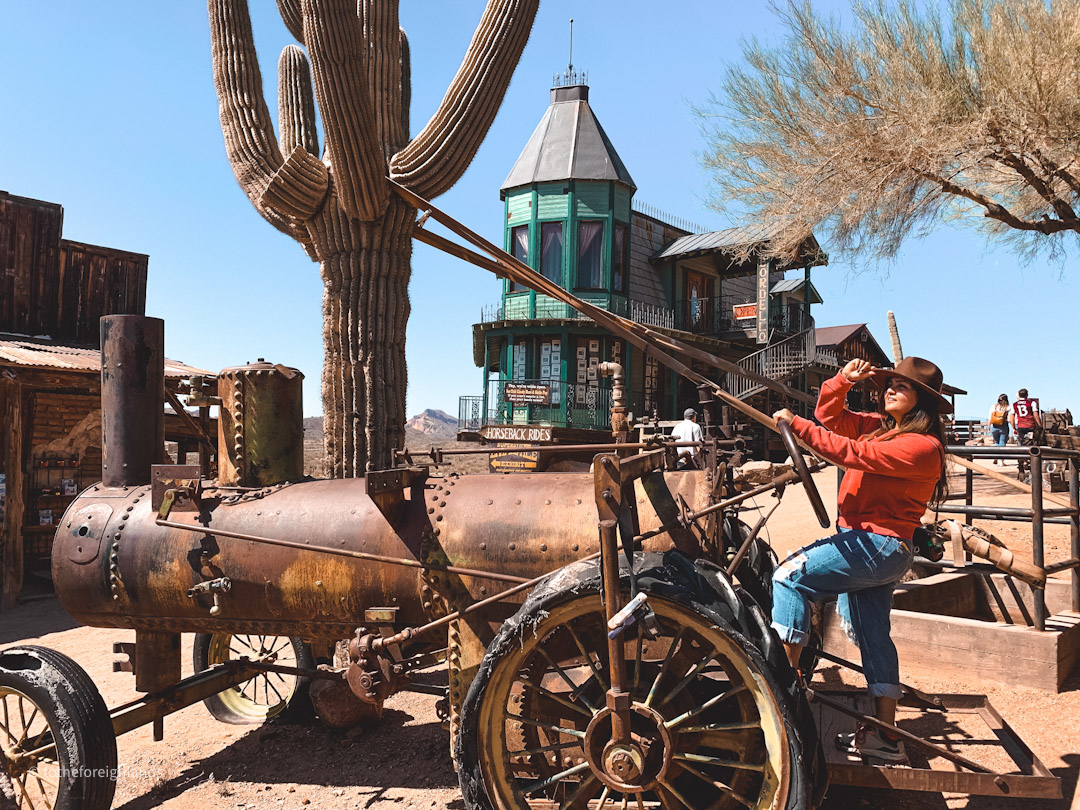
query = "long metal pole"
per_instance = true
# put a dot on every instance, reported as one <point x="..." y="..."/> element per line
<point x="618" y="696"/>
<point x="1037" y="533"/>
<point x="1074" y="498"/>
<point x="342" y="552"/>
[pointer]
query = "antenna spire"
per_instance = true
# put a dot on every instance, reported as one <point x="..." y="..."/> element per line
<point x="570" y="77"/>
<point x="571" y="63"/>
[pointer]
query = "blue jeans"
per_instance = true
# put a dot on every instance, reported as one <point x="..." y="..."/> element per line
<point x="1000" y="434"/>
<point x="860" y="568"/>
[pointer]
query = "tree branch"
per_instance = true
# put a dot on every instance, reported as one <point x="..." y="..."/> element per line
<point x="333" y="37"/>
<point x="995" y="210"/>
<point x="437" y="157"/>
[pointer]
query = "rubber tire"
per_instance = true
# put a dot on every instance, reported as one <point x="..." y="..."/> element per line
<point x="69" y="700"/>
<point x="297" y="710"/>
<point x="706" y="589"/>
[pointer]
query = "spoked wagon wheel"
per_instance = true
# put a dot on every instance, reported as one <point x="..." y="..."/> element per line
<point x="712" y="728"/>
<point x="58" y="746"/>
<point x="267" y="695"/>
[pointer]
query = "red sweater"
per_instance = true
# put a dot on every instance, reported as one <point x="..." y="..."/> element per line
<point x="889" y="480"/>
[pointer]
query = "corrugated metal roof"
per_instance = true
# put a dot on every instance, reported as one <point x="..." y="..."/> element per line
<point x="733" y="239"/>
<point x="726" y="239"/>
<point x="41" y="353"/>
<point x="835" y="335"/>
<point x="794" y="285"/>
<point x="568" y="144"/>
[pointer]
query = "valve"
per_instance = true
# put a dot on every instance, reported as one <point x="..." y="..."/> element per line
<point x="214" y="587"/>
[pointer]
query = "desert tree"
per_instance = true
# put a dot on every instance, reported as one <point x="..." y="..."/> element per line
<point x="338" y="204"/>
<point x="904" y="118"/>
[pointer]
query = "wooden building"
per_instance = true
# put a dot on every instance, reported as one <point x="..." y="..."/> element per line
<point x="52" y="294"/>
<point x="570" y="213"/>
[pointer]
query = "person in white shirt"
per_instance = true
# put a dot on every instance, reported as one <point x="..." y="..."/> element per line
<point x="687" y="430"/>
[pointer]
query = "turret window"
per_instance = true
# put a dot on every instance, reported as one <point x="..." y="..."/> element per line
<point x="519" y="249"/>
<point x="551" y="251"/>
<point x="590" y="273"/>
<point x="618" y="259"/>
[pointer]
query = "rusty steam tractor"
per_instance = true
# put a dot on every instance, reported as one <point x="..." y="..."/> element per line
<point x="606" y="633"/>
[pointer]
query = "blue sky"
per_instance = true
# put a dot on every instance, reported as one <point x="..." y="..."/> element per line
<point x="111" y="112"/>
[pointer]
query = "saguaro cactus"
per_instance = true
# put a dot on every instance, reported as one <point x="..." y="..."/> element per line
<point x="339" y="206"/>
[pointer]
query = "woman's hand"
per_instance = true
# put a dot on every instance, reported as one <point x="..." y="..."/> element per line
<point x="857" y="370"/>
<point x="784" y="414"/>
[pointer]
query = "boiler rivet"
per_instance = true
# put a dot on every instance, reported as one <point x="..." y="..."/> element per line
<point x="513" y="546"/>
<point x="483" y="546"/>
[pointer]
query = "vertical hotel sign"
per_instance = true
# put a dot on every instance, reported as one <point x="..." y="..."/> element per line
<point x="763" y="268"/>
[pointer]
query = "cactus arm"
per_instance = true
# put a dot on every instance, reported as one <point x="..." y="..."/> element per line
<point x="334" y="40"/>
<point x="299" y="187"/>
<point x="382" y="40"/>
<point x="296" y="104"/>
<point x="406" y="82"/>
<point x="434" y="160"/>
<point x="245" y="120"/>
<point x="291" y="16"/>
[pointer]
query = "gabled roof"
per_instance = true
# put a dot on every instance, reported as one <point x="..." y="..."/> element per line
<point x="835" y="335"/>
<point x="19" y="350"/>
<point x="568" y="144"/>
<point x="790" y="285"/>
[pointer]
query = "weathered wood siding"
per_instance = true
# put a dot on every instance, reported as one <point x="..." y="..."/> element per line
<point x="56" y="287"/>
<point x="647" y="236"/>
<point x="97" y="281"/>
<point x="29" y="257"/>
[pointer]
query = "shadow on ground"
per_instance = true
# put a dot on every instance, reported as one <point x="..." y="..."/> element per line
<point x="388" y="756"/>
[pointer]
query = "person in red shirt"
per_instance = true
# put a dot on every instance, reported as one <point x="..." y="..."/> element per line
<point x="1024" y="416"/>
<point x="895" y="461"/>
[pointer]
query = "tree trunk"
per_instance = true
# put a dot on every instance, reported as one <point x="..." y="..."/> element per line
<point x="365" y="270"/>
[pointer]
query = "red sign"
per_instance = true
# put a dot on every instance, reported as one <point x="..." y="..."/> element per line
<point x="744" y="312"/>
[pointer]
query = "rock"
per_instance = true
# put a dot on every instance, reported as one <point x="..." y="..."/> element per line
<point x="755" y="473"/>
<point x="337" y="706"/>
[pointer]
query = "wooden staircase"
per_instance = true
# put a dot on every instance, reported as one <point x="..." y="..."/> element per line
<point x="780" y="361"/>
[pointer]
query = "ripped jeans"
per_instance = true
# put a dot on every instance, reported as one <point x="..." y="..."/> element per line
<point x="860" y="568"/>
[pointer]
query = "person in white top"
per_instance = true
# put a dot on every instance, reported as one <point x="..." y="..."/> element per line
<point x="687" y="430"/>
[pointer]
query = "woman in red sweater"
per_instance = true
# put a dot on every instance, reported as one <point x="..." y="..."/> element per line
<point x="895" y="462"/>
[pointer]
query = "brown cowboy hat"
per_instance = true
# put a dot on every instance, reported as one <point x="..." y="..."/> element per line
<point x="920" y="373"/>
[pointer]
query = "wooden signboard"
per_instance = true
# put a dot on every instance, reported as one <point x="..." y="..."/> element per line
<point x="516" y="433"/>
<point x="513" y="461"/>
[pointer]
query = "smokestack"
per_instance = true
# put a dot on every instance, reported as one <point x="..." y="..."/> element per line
<point x="132" y="385"/>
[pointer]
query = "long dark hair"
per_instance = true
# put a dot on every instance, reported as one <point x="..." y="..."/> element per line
<point x="923" y="418"/>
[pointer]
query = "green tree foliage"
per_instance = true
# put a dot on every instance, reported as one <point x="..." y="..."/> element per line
<point x="908" y="117"/>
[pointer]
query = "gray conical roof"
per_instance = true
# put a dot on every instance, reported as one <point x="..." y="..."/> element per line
<point x="568" y="144"/>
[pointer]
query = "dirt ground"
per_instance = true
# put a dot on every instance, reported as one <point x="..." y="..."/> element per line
<point x="403" y="762"/>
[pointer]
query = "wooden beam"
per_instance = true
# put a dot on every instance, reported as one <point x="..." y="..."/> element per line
<point x="14" y="515"/>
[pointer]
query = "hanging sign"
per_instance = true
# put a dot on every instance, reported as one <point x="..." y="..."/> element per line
<point x="744" y="312"/>
<point x="527" y="393"/>
<point x="516" y="433"/>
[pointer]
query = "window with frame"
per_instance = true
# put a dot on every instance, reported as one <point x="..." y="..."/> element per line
<point x="619" y="259"/>
<point x="551" y="251"/>
<point x="590" y="270"/>
<point x="519" y="249"/>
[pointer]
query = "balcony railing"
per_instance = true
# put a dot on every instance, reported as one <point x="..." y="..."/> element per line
<point x="536" y="402"/>
<point x="715" y="316"/>
<point x="525" y="308"/>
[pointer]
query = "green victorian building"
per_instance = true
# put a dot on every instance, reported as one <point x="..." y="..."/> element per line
<point x="570" y="214"/>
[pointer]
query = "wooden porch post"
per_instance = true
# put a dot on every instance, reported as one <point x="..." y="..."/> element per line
<point x="14" y="516"/>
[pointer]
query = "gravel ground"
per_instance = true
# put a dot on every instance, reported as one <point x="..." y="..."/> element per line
<point x="403" y="762"/>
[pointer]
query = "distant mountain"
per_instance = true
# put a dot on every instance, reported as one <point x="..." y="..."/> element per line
<point x="434" y="424"/>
